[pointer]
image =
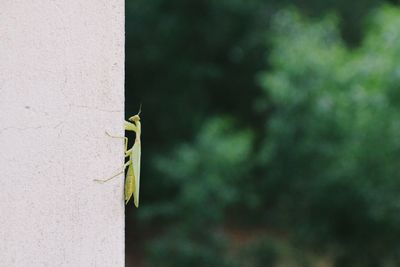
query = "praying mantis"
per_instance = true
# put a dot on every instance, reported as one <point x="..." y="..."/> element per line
<point x="132" y="179"/>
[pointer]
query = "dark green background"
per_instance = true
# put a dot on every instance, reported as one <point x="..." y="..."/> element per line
<point x="271" y="132"/>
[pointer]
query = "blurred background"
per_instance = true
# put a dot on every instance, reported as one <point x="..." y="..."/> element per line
<point x="271" y="133"/>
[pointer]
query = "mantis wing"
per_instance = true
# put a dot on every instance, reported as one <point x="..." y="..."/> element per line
<point x="136" y="151"/>
<point x="129" y="183"/>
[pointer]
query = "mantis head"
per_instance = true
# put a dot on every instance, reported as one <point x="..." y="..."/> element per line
<point x="136" y="117"/>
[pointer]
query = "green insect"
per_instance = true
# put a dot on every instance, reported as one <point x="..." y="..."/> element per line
<point x="132" y="180"/>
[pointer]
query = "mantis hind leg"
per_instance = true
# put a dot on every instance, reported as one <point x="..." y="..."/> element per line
<point x="115" y="175"/>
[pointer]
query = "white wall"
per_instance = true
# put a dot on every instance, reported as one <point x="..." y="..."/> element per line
<point x="61" y="87"/>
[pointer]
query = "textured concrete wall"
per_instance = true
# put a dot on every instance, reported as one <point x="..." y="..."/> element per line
<point x="61" y="87"/>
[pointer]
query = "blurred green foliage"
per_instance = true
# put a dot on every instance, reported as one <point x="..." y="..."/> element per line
<point x="332" y="147"/>
<point x="267" y="137"/>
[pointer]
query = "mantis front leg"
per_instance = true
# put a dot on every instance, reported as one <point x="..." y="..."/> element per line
<point x="129" y="126"/>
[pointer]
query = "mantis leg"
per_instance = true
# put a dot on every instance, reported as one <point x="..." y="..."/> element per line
<point x="129" y="126"/>
<point x="120" y="137"/>
<point x="127" y="154"/>
<point x="112" y="177"/>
